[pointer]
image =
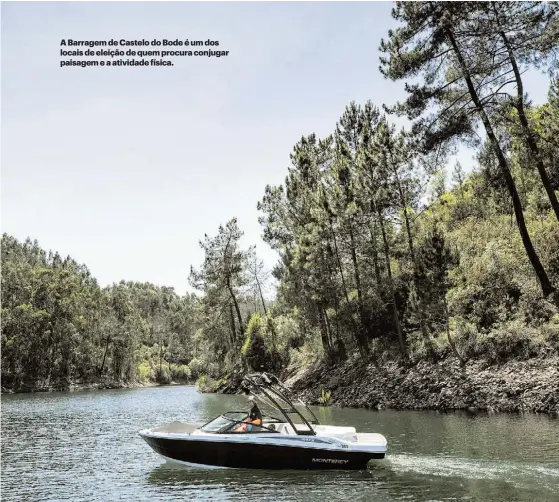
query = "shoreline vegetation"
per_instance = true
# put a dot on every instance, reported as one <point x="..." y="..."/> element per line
<point x="403" y="280"/>
<point x="515" y="386"/>
<point x="80" y="386"/>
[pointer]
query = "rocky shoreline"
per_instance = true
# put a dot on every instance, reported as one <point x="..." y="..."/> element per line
<point x="516" y="386"/>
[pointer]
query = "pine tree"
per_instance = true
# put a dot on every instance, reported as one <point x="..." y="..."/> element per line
<point x="438" y="40"/>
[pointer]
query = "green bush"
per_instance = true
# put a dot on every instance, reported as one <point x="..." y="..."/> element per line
<point x="534" y="308"/>
<point x="145" y="372"/>
<point x="309" y="353"/>
<point x="324" y="398"/>
<point x="207" y="384"/>
<point x="512" y="340"/>
<point x="180" y="372"/>
<point x="550" y="333"/>
<point x="257" y="354"/>
<point x="196" y="368"/>
<point x="162" y="375"/>
<point x="490" y="292"/>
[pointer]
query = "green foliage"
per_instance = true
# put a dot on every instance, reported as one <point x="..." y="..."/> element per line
<point x="207" y="384"/>
<point x="324" y="398"/>
<point x="180" y="373"/>
<point x="253" y="331"/>
<point x="145" y="372"/>
<point x="378" y="255"/>
<point x="60" y="327"/>
<point x="196" y="368"/>
<point x="511" y="340"/>
<point x="257" y="354"/>
<point x="310" y="352"/>
<point x="162" y="375"/>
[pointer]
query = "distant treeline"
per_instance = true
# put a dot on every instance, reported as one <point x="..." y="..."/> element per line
<point x="60" y="327"/>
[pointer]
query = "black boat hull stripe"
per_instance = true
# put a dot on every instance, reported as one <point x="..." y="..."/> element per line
<point x="252" y="455"/>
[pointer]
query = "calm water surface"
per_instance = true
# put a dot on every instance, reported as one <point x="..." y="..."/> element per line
<point x="84" y="446"/>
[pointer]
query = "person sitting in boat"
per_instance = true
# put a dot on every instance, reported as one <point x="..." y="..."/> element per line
<point x="255" y="413"/>
<point x="254" y="417"/>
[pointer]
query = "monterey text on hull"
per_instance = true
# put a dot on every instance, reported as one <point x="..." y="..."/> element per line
<point x="251" y="440"/>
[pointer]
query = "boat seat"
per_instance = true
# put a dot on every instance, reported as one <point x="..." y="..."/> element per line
<point x="284" y="428"/>
<point x="348" y="436"/>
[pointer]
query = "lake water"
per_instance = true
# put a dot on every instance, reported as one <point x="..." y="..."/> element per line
<point x="84" y="446"/>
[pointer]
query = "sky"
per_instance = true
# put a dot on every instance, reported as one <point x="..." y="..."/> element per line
<point x="125" y="169"/>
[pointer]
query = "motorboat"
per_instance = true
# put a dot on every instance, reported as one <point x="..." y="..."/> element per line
<point x="296" y="440"/>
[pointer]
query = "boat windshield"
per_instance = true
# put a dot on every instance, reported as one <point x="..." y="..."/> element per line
<point x="222" y="422"/>
<point x="233" y="421"/>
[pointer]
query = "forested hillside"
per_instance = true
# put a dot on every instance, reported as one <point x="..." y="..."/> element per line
<point x="59" y="327"/>
<point x="388" y="250"/>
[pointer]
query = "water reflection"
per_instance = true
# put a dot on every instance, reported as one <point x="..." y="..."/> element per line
<point x="382" y="483"/>
<point x="85" y="446"/>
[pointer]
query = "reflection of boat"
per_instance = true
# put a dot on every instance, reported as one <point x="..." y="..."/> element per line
<point x="294" y="441"/>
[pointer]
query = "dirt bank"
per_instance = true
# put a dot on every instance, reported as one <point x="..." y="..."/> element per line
<point x="516" y="386"/>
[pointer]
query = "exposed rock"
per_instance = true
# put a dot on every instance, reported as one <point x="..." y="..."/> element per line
<point x="517" y="386"/>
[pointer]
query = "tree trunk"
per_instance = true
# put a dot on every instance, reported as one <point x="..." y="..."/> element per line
<point x="324" y="332"/>
<point x="104" y="357"/>
<point x="450" y="341"/>
<point x="269" y="320"/>
<point x="237" y="309"/>
<point x="528" y="135"/>
<point x="261" y="297"/>
<point x="362" y="340"/>
<point x="391" y="286"/>
<point x="233" y="331"/>
<point x="353" y="325"/>
<point x="541" y="274"/>
<point x="419" y="301"/>
<point x="339" y="262"/>
<point x="375" y="253"/>
<point x="336" y="310"/>
<point x="328" y="329"/>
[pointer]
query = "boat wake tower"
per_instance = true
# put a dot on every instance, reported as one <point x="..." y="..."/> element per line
<point x="271" y="391"/>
